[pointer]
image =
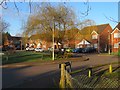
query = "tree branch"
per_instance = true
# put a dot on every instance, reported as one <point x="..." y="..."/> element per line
<point x="88" y="8"/>
<point x="4" y="6"/>
<point x="16" y="7"/>
<point x="2" y="2"/>
<point x="30" y="5"/>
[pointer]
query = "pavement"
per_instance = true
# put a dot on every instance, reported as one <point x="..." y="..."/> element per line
<point x="46" y="75"/>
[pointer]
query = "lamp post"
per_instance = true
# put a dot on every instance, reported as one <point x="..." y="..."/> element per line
<point x="108" y="41"/>
<point x="98" y="43"/>
<point x="21" y="44"/>
<point x="53" y="39"/>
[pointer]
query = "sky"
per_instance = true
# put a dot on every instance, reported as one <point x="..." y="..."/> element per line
<point x="98" y="13"/>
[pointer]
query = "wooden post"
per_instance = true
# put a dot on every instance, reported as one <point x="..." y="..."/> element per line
<point x="110" y="68"/>
<point x="62" y="80"/>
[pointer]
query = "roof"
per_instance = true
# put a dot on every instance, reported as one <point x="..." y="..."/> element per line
<point x="84" y="42"/>
<point x="97" y="28"/>
<point x="15" y="38"/>
<point x="70" y="32"/>
<point x="118" y="26"/>
<point x="35" y="36"/>
<point x="85" y="33"/>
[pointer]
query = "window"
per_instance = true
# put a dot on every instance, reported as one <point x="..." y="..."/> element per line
<point x="94" y="36"/>
<point x="116" y="35"/>
<point x="116" y="45"/>
<point x="95" y="45"/>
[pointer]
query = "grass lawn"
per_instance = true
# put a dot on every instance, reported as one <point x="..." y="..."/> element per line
<point x="102" y="79"/>
<point x="25" y="56"/>
<point x="117" y="53"/>
<point x="28" y="56"/>
<point x="115" y="74"/>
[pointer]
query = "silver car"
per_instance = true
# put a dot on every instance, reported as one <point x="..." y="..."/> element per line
<point x="39" y="49"/>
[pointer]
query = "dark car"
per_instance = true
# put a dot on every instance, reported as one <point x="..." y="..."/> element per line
<point x="89" y="50"/>
<point x="77" y="50"/>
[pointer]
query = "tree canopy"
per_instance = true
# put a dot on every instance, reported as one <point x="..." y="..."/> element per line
<point x="48" y="17"/>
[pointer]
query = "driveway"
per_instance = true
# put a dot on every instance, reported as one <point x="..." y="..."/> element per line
<point x="46" y="75"/>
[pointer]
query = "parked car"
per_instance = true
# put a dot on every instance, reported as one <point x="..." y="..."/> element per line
<point x="89" y="50"/>
<point x="29" y="49"/>
<point x="77" y="50"/>
<point x="18" y="47"/>
<point x="68" y="50"/>
<point x="39" y="49"/>
<point x="55" y="50"/>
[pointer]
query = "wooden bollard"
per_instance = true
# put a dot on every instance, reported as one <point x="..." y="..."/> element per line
<point x="110" y="68"/>
<point x="62" y="81"/>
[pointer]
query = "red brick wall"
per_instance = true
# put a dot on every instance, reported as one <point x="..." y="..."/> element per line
<point x="104" y="41"/>
<point x="94" y="41"/>
<point x="114" y="40"/>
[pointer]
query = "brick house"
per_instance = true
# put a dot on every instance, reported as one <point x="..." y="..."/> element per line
<point x="94" y="36"/>
<point x="67" y="40"/>
<point x="97" y="36"/>
<point x="115" y="38"/>
<point x="37" y="42"/>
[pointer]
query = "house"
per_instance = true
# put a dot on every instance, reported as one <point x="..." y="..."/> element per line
<point x="11" y="41"/>
<point x="17" y="42"/>
<point x="97" y="36"/>
<point x="69" y="39"/>
<point x="62" y="39"/>
<point x="115" y="38"/>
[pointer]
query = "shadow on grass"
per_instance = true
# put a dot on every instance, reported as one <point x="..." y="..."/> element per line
<point x="25" y="57"/>
<point x="20" y="59"/>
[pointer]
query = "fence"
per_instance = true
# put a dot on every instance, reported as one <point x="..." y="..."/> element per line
<point x="86" y="81"/>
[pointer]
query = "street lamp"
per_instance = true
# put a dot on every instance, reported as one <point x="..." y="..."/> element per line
<point x="108" y="41"/>
<point x="53" y="39"/>
<point x="98" y="43"/>
<point x="21" y="44"/>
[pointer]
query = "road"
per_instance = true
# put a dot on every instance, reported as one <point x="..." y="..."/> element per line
<point x="45" y="75"/>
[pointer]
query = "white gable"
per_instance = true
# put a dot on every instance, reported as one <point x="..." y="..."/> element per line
<point x="115" y="30"/>
<point x="83" y="42"/>
<point x="94" y="32"/>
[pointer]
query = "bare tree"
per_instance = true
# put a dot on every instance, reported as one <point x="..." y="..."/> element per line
<point x="3" y="25"/>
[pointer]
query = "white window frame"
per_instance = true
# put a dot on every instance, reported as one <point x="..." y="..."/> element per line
<point x="116" y="45"/>
<point x="94" y="37"/>
<point x="95" y="45"/>
<point x="116" y="35"/>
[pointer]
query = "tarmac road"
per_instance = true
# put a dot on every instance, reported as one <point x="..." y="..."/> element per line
<point x="46" y="75"/>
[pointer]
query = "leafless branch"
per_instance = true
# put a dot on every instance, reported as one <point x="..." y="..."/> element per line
<point x="2" y="2"/>
<point x="4" y="5"/>
<point x="87" y="10"/>
<point x="30" y="5"/>
<point x="16" y="7"/>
